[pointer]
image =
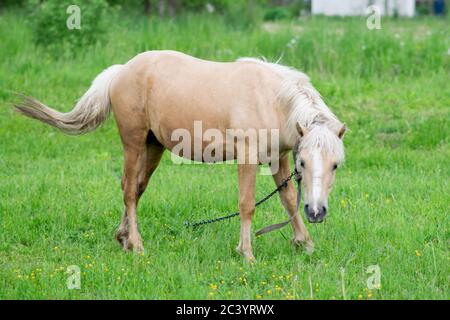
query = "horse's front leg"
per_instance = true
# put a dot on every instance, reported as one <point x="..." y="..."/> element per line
<point x="289" y="199"/>
<point x="247" y="180"/>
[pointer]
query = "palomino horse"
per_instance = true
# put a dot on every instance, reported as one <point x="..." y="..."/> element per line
<point x="158" y="92"/>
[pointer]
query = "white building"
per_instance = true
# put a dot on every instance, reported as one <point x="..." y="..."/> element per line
<point x="359" y="7"/>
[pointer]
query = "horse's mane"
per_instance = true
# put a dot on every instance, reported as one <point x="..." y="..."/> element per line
<point x="303" y="104"/>
<point x="322" y="138"/>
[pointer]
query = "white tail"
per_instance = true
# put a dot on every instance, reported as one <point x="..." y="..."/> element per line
<point x="88" y="114"/>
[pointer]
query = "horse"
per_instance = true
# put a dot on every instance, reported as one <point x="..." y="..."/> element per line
<point x="158" y="92"/>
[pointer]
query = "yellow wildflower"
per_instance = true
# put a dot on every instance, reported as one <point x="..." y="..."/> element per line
<point x="213" y="286"/>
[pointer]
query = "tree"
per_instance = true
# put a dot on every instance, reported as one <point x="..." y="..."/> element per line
<point x="170" y="6"/>
<point x="148" y="6"/>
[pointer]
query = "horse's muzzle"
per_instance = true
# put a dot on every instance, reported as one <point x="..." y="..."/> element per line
<point x="315" y="215"/>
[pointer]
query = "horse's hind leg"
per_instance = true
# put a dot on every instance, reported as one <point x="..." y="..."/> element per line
<point x="122" y="231"/>
<point x="289" y="199"/>
<point x="148" y="160"/>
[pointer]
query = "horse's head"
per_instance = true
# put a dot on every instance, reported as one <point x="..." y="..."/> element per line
<point x="318" y="153"/>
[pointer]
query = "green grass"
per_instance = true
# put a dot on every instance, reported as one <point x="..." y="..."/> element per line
<point x="60" y="197"/>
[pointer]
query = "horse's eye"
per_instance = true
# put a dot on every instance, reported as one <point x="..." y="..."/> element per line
<point x="335" y="166"/>
<point x="302" y="164"/>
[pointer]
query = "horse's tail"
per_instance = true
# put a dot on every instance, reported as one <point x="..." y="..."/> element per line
<point x="89" y="113"/>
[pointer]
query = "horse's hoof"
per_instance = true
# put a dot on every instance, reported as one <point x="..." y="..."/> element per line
<point x="248" y="256"/>
<point x="121" y="240"/>
<point x="308" y="245"/>
<point x="121" y="237"/>
<point x="133" y="244"/>
<point x="138" y="249"/>
<point x="125" y="245"/>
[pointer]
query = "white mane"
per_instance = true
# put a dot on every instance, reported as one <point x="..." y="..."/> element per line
<point x="303" y="104"/>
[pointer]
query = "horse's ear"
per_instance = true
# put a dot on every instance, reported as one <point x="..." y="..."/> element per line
<point x="342" y="131"/>
<point x="301" y="130"/>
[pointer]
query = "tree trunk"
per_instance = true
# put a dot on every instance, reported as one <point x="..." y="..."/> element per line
<point x="161" y="8"/>
<point x="251" y="15"/>
<point x="148" y="7"/>
<point x="173" y="7"/>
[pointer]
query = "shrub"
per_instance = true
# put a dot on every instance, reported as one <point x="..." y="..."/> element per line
<point x="50" y="28"/>
<point x="277" y="13"/>
<point x="200" y="5"/>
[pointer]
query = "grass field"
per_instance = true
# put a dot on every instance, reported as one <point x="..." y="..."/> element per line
<point x="61" y="202"/>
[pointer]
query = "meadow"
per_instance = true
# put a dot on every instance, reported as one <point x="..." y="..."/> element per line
<point x="60" y="196"/>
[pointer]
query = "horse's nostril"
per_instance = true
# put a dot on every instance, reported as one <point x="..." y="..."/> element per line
<point x="324" y="209"/>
